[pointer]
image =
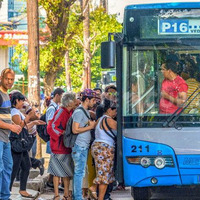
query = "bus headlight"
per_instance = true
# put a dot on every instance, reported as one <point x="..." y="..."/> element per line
<point x="145" y="162"/>
<point x="159" y="162"/>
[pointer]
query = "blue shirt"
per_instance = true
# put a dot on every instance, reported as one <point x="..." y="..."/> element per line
<point x="51" y="111"/>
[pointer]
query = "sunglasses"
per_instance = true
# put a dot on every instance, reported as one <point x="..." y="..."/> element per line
<point x="112" y="93"/>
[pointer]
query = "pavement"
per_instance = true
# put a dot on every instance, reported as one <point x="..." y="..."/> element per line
<point x="16" y="196"/>
<point x="38" y="189"/>
<point x="115" y="195"/>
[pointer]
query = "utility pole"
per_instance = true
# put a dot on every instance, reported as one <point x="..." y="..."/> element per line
<point x="33" y="59"/>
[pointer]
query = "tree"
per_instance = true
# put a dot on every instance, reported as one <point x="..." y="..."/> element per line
<point x="57" y="21"/>
<point x="67" y="71"/>
<point x="86" y="45"/>
<point x="100" y="25"/>
<point x="104" y="4"/>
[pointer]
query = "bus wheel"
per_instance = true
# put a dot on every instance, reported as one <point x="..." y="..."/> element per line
<point x="140" y="193"/>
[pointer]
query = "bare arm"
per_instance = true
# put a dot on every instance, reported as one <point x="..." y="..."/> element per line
<point x="12" y="127"/>
<point x="139" y="107"/>
<point x="112" y="123"/>
<point x="76" y="129"/>
<point x="17" y="120"/>
<point x="182" y="96"/>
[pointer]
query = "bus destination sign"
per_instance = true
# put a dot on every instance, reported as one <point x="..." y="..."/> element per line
<point x="178" y="26"/>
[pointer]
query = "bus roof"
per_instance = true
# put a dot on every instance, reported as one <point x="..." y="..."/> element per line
<point x="164" y="5"/>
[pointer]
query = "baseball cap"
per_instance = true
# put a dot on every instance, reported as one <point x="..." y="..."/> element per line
<point x="89" y="93"/>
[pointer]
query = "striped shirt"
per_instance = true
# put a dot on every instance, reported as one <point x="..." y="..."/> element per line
<point x="192" y="86"/>
<point x="5" y="115"/>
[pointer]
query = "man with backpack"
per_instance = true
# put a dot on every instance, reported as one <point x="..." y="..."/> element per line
<point x="53" y="107"/>
<point x="82" y="125"/>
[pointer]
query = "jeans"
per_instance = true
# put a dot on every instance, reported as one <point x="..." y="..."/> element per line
<point x="79" y="156"/>
<point x="34" y="149"/>
<point x="6" y="164"/>
<point x="48" y="149"/>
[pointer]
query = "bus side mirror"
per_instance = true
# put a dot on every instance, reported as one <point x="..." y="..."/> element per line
<point x="108" y="53"/>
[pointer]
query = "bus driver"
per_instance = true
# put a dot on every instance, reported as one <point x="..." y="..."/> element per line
<point x="173" y="90"/>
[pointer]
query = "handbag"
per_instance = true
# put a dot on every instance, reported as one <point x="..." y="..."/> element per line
<point x="22" y="142"/>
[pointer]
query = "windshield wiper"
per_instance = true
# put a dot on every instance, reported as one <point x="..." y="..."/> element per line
<point x="172" y="119"/>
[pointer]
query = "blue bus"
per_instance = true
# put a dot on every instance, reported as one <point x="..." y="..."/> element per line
<point x="156" y="150"/>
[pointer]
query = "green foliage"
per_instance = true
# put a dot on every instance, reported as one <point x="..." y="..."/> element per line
<point x="100" y="25"/>
<point x="52" y="53"/>
<point x="20" y="57"/>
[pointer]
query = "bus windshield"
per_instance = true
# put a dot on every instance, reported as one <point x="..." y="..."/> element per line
<point x="143" y="69"/>
<point x="158" y="36"/>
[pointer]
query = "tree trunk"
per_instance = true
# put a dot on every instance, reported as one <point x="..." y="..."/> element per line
<point x="49" y="80"/>
<point x="104" y="4"/>
<point x="67" y="71"/>
<point x="57" y="20"/>
<point x="86" y="43"/>
<point x="33" y="60"/>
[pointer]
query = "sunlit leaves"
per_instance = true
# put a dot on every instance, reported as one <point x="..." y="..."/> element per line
<point x="100" y="25"/>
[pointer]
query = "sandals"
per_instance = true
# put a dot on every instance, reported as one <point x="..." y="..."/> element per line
<point x="66" y="198"/>
<point x="93" y="194"/>
<point x="26" y="196"/>
<point x="55" y="197"/>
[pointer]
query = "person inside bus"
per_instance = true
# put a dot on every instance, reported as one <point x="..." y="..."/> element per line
<point x="193" y="84"/>
<point x="173" y="90"/>
<point x="189" y="65"/>
<point x="140" y="75"/>
<point x="137" y="104"/>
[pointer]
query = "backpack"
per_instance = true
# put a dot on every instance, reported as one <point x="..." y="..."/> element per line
<point x="42" y="129"/>
<point x="69" y="138"/>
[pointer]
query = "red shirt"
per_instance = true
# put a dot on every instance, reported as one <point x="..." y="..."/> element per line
<point x="55" y="128"/>
<point x="171" y="87"/>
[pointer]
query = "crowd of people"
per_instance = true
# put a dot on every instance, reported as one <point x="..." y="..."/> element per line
<point x="93" y="137"/>
<point x="87" y="169"/>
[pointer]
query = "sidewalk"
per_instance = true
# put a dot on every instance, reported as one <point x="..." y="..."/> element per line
<point x="16" y="196"/>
